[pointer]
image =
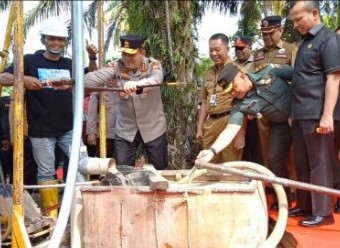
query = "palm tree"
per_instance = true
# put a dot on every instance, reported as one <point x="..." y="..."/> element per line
<point x="171" y="31"/>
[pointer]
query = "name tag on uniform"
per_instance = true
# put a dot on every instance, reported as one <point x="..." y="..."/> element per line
<point x="213" y="100"/>
<point x="281" y="56"/>
<point x="252" y="104"/>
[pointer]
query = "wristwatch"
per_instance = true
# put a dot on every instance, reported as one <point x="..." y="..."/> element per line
<point x="213" y="151"/>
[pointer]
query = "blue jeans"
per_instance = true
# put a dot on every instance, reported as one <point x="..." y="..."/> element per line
<point x="44" y="153"/>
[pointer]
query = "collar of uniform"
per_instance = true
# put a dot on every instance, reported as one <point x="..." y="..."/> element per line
<point x="314" y="30"/>
<point x="218" y="70"/>
<point x="249" y="60"/>
<point x="278" y="45"/>
<point x="256" y="76"/>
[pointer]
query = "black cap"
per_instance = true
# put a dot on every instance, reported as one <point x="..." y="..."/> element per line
<point x="242" y="41"/>
<point x="131" y="43"/>
<point x="227" y="75"/>
<point x="269" y="23"/>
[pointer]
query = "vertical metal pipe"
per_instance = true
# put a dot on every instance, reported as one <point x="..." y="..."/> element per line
<point x="19" y="233"/>
<point x="18" y="96"/>
<point x="102" y="95"/>
<point x="78" y="68"/>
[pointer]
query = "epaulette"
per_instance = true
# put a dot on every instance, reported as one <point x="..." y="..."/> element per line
<point x="155" y="65"/>
<point x="277" y="65"/>
<point x="260" y="67"/>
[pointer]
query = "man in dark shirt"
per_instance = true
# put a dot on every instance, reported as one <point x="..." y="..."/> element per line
<point x="263" y="93"/>
<point x="315" y="94"/>
<point x="49" y="107"/>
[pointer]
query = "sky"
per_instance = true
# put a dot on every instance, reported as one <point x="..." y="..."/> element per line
<point x="212" y="22"/>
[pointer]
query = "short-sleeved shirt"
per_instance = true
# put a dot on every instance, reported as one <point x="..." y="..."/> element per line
<point x="270" y="96"/>
<point x="49" y="111"/>
<point x="210" y="87"/>
<point x="318" y="55"/>
<point x="283" y="53"/>
<point x="248" y="64"/>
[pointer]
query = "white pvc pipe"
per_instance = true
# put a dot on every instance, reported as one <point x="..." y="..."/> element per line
<point x="78" y="73"/>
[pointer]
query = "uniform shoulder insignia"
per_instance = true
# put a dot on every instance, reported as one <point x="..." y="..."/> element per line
<point x="276" y="65"/>
<point x="260" y="67"/>
<point x="155" y="65"/>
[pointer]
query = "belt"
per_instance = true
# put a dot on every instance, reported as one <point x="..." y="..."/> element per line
<point x="219" y="115"/>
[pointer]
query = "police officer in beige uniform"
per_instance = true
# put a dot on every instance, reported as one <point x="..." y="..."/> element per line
<point x="92" y="122"/>
<point x="216" y="104"/>
<point x="243" y="52"/>
<point x="140" y="119"/>
<point x="275" y="51"/>
<point x="252" y="150"/>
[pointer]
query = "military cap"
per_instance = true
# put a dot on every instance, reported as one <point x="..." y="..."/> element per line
<point x="131" y="43"/>
<point x="227" y="74"/>
<point x="269" y="23"/>
<point x="242" y="41"/>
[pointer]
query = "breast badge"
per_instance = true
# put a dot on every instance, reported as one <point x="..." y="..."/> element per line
<point x="259" y="56"/>
<point x="281" y="51"/>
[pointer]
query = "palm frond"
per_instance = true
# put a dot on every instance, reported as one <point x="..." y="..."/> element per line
<point x="90" y="17"/>
<point x="222" y="5"/>
<point x="4" y="5"/>
<point x="44" y="10"/>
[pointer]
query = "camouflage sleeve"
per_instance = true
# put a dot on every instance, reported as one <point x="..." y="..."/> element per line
<point x="100" y="77"/>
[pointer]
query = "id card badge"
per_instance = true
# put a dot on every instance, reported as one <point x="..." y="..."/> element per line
<point x="213" y="100"/>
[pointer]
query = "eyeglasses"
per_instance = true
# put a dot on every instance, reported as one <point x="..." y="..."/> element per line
<point x="239" y="48"/>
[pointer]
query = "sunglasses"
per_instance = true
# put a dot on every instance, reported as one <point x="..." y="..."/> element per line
<point x="239" y="48"/>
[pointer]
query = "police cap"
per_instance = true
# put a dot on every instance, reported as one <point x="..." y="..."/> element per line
<point x="242" y="41"/>
<point x="227" y="74"/>
<point x="131" y="43"/>
<point x="269" y="24"/>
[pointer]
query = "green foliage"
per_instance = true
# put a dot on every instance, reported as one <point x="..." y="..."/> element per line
<point x="201" y="66"/>
<point x="330" y="22"/>
<point x="6" y="91"/>
<point x="250" y="16"/>
<point x="4" y="5"/>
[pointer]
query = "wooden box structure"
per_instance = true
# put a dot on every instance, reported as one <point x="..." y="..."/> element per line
<point x="201" y="214"/>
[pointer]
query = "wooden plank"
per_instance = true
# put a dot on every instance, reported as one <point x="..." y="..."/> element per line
<point x="156" y="180"/>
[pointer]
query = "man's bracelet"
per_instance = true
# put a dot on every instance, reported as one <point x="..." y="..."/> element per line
<point x="213" y="151"/>
<point x="93" y="58"/>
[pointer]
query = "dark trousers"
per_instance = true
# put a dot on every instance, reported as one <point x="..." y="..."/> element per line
<point x="314" y="159"/>
<point x="110" y="149"/>
<point x="280" y="139"/>
<point x="30" y="166"/>
<point x="156" y="151"/>
<point x="336" y="169"/>
<point x="252" y="151"/>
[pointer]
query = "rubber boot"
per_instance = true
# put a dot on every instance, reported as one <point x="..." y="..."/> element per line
<point x="50" y="198"/>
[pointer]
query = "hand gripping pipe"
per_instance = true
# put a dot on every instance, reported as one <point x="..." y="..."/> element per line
<point x="78" y="72"/>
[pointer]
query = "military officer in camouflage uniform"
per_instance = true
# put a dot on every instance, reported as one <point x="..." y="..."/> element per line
<point x="265" y="93"/>
<point x="140" y="119"/>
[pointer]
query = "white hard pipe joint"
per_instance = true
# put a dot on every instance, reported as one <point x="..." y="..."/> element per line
<point x="97" y="166"/>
